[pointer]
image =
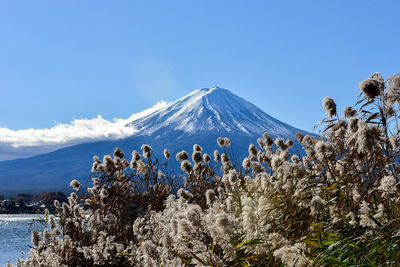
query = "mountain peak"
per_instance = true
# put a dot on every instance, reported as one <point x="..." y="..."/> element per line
<point x="210" y="109"/>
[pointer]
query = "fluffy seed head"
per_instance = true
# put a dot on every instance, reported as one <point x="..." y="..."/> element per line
<point x="252" y="150"/>
<point x="227" y="141"/>
<point x="36" y="238"/>
<point x="372" y="86"/>
<point x="167" y="154"/>
<point x="197" y="157"/>
<point x="75" y="184"/>
<point x="186" y="166"/>
<point x="224" y="158"/>
<point x="316" y="204"/>
<point x="182" y="193"/>
<point x="221" y="141"/>
<point x="96" y="159"/>
<point x="210" y="197"/>
<point x="196" y="147"/>
<point x="299" y="137"/>
<point x="181" y="156"/>
<point x="280" y="143"/>
<point x="330" y="106"/>
<point x="146" y="151"/>
<point x="246" y="163"/>
<point x="118" y="152"/>
<point x="289" y="143"/>
<point x="349" y="112"/>
<point x="108" y="163"/>
<point x="135" y="155"/>
<point x="217" y="156"/>
<point x="206" y="158"/>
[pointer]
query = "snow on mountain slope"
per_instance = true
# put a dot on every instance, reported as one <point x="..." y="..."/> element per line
<point x="211" y="110"/>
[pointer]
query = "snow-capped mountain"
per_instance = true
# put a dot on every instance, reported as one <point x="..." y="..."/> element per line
<point x="199" y="117"/>
<point x="210" y="110"/>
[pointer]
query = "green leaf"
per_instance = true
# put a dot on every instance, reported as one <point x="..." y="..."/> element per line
<point x="396" y="207"/>
<point x="248" y="242"/>
<point x="333" y="260"/>
<point x="353" y="246"/>
<point x="312" y="243"/>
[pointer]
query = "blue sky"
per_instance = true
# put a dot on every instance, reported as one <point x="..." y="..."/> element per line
<point x="66" y="60"/>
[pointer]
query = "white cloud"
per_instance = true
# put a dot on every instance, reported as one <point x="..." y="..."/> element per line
<point x="28" y="142"/>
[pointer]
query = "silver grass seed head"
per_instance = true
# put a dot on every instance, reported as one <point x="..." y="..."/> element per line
<point x="197" y="157"/>
<point x="196" y="148"/>
<point x="317" y="203"/>
<point x="221" y="141"/>
<point x="46" y="212"/>
<point x="217" y="156"/>
<point x="299" y="137"/>
<point x="108" y="163"/>
<point x="206" y="158"/>
<point x="246" y="163"/>
<point x="330" y="106"/>
<point x="36" y="238"/>
<point x="252" y="150"/>
<point x="95" y="166"/>
<point x="256" y="167"/>
<point x="104" y="193"/>
<point x="394" y="87"/>
<point x="73" y="198"/>
<point x="210" y="197"/>
<point x="95" y="180"/>
<point x="295" y="159"/>
<point x="186" y="166"/>
<point x="260" y="142"/>
<point x="117" y="162"/>
<point x="167" y="153"/>
<point x="227" y="141"/>
<point x="224" y="158"/>
<point x="349" y="112"/>
<point x="118" y="153"/>
<point x="56" y="204"/>
<point x="125" y="164"/>
<point x="100" y="168"/>
<point x="289" y="143"/>
<point x="307" y="140"/>
<point x="146" y="151"/>
<point x="96" y="159"/>
<point x="377" y="76"/>
<point x="353" y="125"/>
<point x="182" y="193"/>
<point x="232" y="176"/>
<point x="75" y="184"/>
<point x="135" y="155"/>
<point x="269" y="141"/>
<point x="134" y="164"/>
<point x="52" y="222"/>
<point x="265" y="136"/>
<point x="281" y="144"/>
<point x="193" y="214"/>
<point x="222" y="222"/>
<point x="181" y="156"/>
<point x="372" y="86"/>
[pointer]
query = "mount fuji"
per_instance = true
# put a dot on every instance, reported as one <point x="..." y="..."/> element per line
<point x="198" y="118"/>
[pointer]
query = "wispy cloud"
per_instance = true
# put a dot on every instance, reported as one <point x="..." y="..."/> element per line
<point x="28" y="142"/>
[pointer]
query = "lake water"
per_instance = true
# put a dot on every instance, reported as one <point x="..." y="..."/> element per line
<point x="15" y="235"/>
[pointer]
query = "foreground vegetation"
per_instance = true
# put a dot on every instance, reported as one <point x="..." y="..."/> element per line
<point x="336" y="205"/>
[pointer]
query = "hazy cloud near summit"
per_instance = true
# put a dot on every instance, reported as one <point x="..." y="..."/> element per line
<point x="28" y="142"/>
